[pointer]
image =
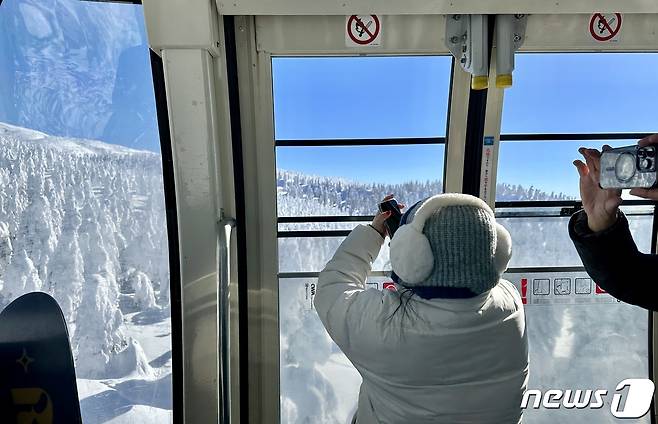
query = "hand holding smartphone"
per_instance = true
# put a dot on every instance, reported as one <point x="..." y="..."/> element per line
<point x="628" y="167"/>
<point x="393" y="222"/>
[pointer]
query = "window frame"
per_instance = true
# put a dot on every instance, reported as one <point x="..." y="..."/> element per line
<point x="175" y="289"/>
<point x="356" y="142"/>
<point x="281" y="35"/>
<point x="255" y="51"/>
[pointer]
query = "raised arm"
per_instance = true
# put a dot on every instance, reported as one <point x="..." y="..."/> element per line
<point x="341" y="299"/>
<point x="613" y="261"/>
<point x="603" y="240"/>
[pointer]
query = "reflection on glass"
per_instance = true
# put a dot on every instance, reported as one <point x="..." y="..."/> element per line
<point x="360" y="97"/>
<point x="550" y="236"/>
<point x="582" y="93"/>
<point x="581" y="346"/>
<point x="543" y="170"/>
<point x="318" y="383"/>
<point x="82" y="219"/>
<point x="313" y="253"/>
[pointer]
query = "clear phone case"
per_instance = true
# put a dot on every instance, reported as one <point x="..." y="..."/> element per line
<point x="628" y="167"/>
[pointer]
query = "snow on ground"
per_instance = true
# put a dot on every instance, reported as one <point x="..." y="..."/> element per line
<point x="85" y="222"/>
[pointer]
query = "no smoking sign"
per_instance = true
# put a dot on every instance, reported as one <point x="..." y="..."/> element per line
<point x="605" y="27"/>
<point x="363" y="30"/>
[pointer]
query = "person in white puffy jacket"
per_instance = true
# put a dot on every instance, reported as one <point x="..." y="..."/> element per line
<point x="450" y="345"/>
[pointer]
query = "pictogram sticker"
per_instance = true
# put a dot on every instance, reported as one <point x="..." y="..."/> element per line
<point x="541" y="287"/>
<point x="548" y="288"/>
<point x="605" y="27"/>
<point x="562" y="286"/>
<point x="390" y="286"/>
<point x="363" y="30"/>
<point x="583" y="286"/>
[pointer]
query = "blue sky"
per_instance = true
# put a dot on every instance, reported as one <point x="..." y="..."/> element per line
<point x="408" y="97"/>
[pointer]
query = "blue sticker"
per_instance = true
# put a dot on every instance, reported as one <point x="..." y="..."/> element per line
<point x="488" y="141"/>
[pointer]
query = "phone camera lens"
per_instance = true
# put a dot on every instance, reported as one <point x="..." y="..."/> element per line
<point x="646" y="164"/>
<point x="625" y="167"/>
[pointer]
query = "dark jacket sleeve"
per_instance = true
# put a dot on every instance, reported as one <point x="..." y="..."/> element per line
<point x="612" y="260"/>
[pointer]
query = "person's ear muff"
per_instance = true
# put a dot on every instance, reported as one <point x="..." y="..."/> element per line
<point x="503" y="248"/>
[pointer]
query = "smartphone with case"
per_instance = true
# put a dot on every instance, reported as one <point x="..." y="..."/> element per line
<point x="393" y="222"/>
<point x="628" y="167"/>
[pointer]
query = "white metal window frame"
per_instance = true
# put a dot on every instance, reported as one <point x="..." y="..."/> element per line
<point x="260" y="38"/>
<point x="423" y="7"/>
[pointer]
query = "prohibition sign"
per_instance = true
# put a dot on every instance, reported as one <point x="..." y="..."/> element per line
<point x="604" y="29"/>
<point x="363" y="30"/>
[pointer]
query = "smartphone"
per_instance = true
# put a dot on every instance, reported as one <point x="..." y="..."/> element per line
<point x="629" y="167"/>
<point x="393" y="222"/>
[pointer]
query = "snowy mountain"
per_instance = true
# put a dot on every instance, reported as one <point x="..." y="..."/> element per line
<point x="337" y="196"/>
<point x="85" y="222"/>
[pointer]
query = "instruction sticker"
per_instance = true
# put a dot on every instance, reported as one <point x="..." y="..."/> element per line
<point x="363" y="31"/>
<point x="309" y="293"/>
<point x="605" y="27"/>
<point x="487" y="164"/>
<point x="550" y="289"/>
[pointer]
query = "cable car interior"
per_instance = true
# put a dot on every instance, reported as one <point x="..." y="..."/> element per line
<point x="176" y="174"/>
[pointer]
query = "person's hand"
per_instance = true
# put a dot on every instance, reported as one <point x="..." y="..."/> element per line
<point x="601" y="205"/>
<point x="378" y="221"/>
<point x="647" y="193"/>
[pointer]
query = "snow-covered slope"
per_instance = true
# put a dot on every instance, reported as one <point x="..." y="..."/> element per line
<point x="85" y="222"/>
<point x="315" y="195"/>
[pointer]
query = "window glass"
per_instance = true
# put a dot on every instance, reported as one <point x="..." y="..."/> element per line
<point x="312" y="361"/>
<point x="550" y="236"/>
<point x="543" y="170"/>
<point x="360" y="97"/>
<point x="82" y="213"/>
<point x="302" y="254"/>
<point x="344" y="98"/>
<point x="352" y="180"/>
<point x="582" y="339"/>
<point x="582" y="93"/>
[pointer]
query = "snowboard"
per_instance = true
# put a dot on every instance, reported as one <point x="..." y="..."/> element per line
<point x="37" y="376"/>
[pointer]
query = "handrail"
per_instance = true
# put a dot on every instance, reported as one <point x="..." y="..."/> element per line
<point x="225" y="228"/>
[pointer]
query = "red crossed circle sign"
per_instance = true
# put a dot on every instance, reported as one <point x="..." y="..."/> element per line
<point x="363" y="30"/>
<point x="604" y="28"/>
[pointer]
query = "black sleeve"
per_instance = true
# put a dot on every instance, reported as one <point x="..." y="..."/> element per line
<point x="612" y="260"/>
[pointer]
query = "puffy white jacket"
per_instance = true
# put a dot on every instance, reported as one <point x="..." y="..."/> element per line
<point x="444" y="361"/>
